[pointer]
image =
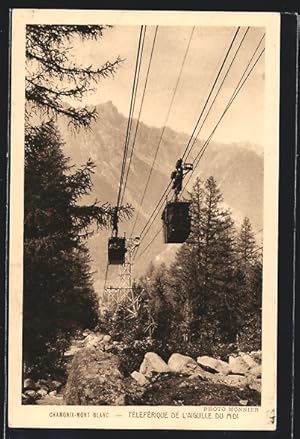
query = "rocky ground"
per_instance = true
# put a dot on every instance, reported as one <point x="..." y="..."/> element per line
<point x="96" y="377"/>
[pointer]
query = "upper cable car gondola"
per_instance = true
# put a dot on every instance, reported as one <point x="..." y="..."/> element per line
<point x="116" y="245"/>
<point x="176" y="214"/>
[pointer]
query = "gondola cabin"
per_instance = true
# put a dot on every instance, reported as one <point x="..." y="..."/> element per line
<point x="116" y="250"/>
<point x="176" y="222"/>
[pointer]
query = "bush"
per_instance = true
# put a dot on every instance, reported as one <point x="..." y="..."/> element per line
<point x="249" y="338"/>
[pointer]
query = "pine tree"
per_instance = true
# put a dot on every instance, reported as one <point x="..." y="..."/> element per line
<point x="208" y="281"/>
<point x="53" y="78"/>
<point x="58" y="292"/>
<point x="249" y="270"/>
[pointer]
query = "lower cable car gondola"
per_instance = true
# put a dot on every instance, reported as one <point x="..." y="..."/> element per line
<point x="176" y="222"/>
<point x="116" y="250"/>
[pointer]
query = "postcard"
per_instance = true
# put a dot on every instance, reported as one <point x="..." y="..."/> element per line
<point x="143" y="206"/>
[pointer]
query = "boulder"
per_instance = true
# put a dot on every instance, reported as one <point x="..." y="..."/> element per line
<point x="243" y="401"/>
<point x="72" y="351"/>
<point x="153" y="363"/>
<point x="139" y="378"/>
<point x="256" y="355"/>
<point x="29" y="384"/>
<point x="42" y="392"/>
<point x="92" y="340"/>
<point x="255" y="385"/>
<point x="208" y="363"/>
<point x="235" y="381"/>
<point x="183" y="364"/>
<point x="106" y="338"/>
<point x="248" y="360"/>
<point x="255" y="371"/>
<point x="95" y="379"/>
<point x="214" y="365"/>
<point x="31" y="393"/>
<point x="238" y="365"/>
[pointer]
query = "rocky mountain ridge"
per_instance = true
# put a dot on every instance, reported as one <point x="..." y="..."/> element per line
<point x="237" y="168"/>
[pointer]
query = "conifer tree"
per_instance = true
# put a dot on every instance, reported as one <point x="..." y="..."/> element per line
<point x="58" y="292"/>
<point x="249" y="270"/>
<point x="208" y="276"/>
<point x="54" y="79"/>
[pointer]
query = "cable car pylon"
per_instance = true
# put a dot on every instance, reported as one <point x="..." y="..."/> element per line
<point x="122" y="294"/>
<point x="176" y="214"/>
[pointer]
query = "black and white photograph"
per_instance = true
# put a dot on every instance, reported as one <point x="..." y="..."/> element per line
<point x="144" y="220"/>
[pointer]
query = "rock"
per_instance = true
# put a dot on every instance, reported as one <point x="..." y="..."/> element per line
<point x="256" y="355"/>
<point x="106" y="338"/>
<point x="42" y="392"/>
<point x="214" y="365"/>
<point x="238" y="365"/>
<point x="243" y="401"/>
<point x="255" y="371"/>
<point x="95" y="379"/>
<point x="72" y="351"/>
<point x="248" y="360"/>
<point x="183" y="364"/>
<point x="255" y="385"/>
<point x="31" y="393"/>
<point x="56" y="385"/>
<point x="235" y="381"/>
<point x="139" y="378"/>
<point x="208" y="363"/>
<point x="91" y="340"/>
<point x="153" y="363"/>
<point x="29" y="384"/>
<point x="53" y="393"/>
<point x="42" y="383"/>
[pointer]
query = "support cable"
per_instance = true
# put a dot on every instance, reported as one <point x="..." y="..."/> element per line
<point x="129" y="119"/>
<point x="212" y="88"/>
<point x="191" y="137"/>
<point x="140" y="110"/>
<point x="239" y="86"/>
<point x="164" y="128"/>
<point x="216" y="95"/>
<point x="234" y="95"/>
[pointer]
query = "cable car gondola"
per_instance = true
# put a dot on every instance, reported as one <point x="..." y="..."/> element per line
<point x="116" y="250"/>
<point x="176" y="222"/>
<point x="116" y="245"/>
<point x="176" y="214"/>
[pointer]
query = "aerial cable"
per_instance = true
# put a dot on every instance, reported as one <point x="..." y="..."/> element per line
<point x="128" y="168"/>
<point x="164" y="128"/>
<point x="129" y="120"/>
<point x="240" y="84"/>
<point x="212" y="88"/>
<point x="148" y="245"/>
<point x="234" y="95"/>
<point x="217" y="94"/>
<point x="142" y="101"/>
<point x="191" y="137"/>
<point x="200" y="154"/>
<point x="255" y="250"/>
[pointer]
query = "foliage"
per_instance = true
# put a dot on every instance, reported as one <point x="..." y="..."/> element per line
<point x="58" y="292"/>
<point x="53" y="78"/>
<point x="208" y="301"/>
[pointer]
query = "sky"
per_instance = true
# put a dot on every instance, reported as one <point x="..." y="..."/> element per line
<point x="243" y="122"/>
